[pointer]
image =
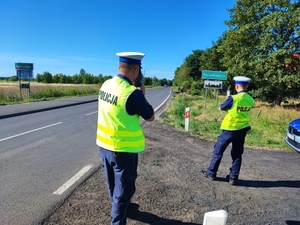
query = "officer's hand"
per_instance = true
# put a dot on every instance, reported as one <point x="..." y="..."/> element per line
<point x="142" y="88"/>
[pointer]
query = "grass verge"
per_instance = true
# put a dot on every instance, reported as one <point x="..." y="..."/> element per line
<point x="10" y="93"/>
<point x="268" y="123"/>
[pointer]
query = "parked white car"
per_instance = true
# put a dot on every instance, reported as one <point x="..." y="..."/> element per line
<point x="293" y="135"/>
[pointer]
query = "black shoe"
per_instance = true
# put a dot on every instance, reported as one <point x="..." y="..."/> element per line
<point x="132" y="209"/>
<point x="231" y="180"/>
<point x="205" y="175"/>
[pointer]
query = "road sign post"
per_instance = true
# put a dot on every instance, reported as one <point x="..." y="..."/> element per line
<point x="24" y="70"/>
<point x="211" y="83"/>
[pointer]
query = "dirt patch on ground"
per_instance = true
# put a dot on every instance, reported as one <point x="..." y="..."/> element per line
<point x="171" y="190"/>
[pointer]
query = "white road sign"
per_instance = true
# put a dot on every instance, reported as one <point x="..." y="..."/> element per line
<point x="213" y="84"/>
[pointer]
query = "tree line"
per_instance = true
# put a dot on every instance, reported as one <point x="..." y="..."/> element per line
<point x="86" y="78"/>
<point x="262" y="42"/>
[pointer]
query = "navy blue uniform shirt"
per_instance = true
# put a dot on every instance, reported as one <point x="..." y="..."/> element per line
<point x="228" y="103"/>
<point x="137" y="103"/>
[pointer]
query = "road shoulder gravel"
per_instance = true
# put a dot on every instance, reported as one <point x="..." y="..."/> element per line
<point x="171" y="189"/>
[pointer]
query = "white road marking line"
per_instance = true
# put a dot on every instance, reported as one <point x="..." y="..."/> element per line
<point x="91" y="113"/>
<point x="27" y="132"/>
<point x="72" y="180"/>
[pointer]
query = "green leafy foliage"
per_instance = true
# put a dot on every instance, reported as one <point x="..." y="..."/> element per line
<point x="196" y="88"/>
<point x="262" y="42"/>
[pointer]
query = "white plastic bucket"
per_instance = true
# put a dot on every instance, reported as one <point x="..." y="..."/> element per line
<point x="218" y="217"/>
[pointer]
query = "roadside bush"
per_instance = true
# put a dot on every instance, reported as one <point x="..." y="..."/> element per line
<point x="186" y="85"/>
<point x="3" y="97"/>
<point x="196" y="88"/>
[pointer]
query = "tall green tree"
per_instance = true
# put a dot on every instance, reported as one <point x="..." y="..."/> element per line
<point x="211" y="58"/>
<point x="263" y="42"/>
<point x="82" y="71"/>
<point x="39" y="77"/>
<point x="154" y="81"/>
<point x="193" y="63"/>
<point x="77" y="79"/>
<point x="189" y="70"/>
<point x="182" y="76"/>
<point x="62" y="78"/>
<point x="147" y="81"/>
<point x="46" y="77"/>
<point x="87" y="78"/>
<point x="55" y="78"/>
<point x="163" y="82"/>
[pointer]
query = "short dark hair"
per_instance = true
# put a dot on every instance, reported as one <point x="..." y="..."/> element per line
<point x="244" y="86"/>
<point x="128" y="66"/>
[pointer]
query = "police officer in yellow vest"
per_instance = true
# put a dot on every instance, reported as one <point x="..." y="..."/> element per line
<point x="119" y="134"/>
<point x="234" y="127"/>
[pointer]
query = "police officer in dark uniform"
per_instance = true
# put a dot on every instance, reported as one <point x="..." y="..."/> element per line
<point x="235" y="126"/>
<point x="119" y="134"/>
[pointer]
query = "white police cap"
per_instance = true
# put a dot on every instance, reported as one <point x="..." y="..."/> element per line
<point x="241" y="80"/>
<point x="131" y="57"/>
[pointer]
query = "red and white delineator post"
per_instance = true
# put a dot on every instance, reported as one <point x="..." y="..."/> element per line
<point x="187" y="118"/>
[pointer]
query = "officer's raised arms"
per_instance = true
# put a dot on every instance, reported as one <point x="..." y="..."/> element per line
<point x="142" y="89"/>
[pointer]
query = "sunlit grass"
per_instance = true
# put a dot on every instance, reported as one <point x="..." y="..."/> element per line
<point x="268" y="123"/>
<point x="10" y="92"/>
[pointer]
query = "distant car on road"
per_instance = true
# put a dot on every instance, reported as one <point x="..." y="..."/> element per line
<point x="293" y="135"/>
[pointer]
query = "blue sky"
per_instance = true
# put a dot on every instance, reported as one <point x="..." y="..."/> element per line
<point x="63" y="36"/>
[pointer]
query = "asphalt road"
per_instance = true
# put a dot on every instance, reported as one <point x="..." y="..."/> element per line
<point x="46" y="150"/>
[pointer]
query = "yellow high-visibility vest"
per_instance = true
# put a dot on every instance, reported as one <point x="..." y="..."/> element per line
<point x="238" y="116"/>
<point x="116" y="129"/>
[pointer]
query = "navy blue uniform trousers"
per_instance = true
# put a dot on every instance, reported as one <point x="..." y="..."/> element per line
<point x="120" y="174"/>
<point x="237" y="138"/>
